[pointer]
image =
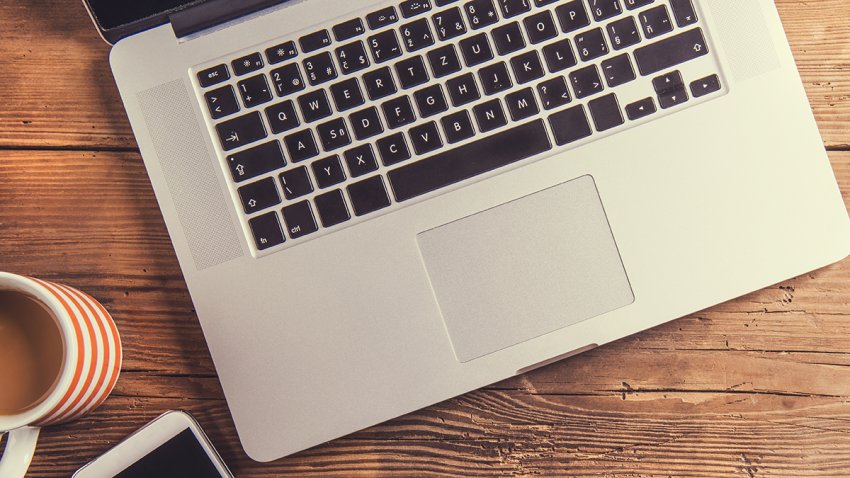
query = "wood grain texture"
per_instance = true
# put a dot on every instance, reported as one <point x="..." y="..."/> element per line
<point x="756" y="387"/>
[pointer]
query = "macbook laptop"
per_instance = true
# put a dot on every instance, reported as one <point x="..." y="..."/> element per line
<point x="379" y="205"/>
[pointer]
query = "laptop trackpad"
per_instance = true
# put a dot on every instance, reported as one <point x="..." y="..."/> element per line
<point x="525" y="268"/>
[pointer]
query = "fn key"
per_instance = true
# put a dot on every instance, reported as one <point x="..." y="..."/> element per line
<point x="266" y="229"/>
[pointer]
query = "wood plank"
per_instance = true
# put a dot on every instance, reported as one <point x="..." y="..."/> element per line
<point x="60" y="92"/>
<point x="758" y="384"/>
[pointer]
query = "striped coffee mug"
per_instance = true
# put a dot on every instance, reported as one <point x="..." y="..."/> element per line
<point x="91" y="362"/>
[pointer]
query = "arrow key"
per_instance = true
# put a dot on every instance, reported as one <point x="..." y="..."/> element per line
<point x="221" y="102"/>
<point x="671" y="98"/>
<point x="259" y="195"/>
<point x="705" y="86"/>
<point x="640" y="109"/>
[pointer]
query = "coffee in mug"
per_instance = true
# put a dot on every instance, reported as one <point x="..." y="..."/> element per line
<point x="60" y="356"/>
<point x="31" y="352"/>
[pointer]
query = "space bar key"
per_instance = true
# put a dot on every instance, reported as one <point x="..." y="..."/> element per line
<point x="469" y="160"/>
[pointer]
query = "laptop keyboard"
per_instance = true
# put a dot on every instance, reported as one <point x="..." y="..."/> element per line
<point x="334" y="126"/>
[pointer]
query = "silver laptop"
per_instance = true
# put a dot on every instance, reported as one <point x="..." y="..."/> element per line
<point x="381" y="205"/>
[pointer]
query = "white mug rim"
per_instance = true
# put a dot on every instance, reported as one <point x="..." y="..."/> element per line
<point x="15" y="282"/>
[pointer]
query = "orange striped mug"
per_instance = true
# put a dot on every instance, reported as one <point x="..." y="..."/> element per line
<point x="90" y="364"/>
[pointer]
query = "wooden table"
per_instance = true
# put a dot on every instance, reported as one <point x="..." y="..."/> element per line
<point x="756" y="387"/>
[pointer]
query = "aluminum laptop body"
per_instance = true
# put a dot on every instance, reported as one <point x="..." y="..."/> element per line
<point x="452" y="288"/>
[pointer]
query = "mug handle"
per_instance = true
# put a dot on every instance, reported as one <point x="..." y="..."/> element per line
<point x="20" y="447"/>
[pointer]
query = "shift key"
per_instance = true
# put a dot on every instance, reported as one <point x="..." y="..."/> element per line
<point x="241" y="131"/>
<point x="671" y="51"/>
<point x="255" y="161"/>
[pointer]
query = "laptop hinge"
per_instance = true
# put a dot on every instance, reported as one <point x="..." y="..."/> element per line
<point x="214" y="12"/>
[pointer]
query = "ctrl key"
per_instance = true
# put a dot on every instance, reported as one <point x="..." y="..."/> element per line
<point x="266" y="230"/>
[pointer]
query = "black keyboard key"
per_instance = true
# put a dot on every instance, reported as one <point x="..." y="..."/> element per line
<point x="411" y="8"/>
<point x="320" y="68"/>
<point x="247" y="64"/>
<point x="425" y="138"/>
<point x="379" y="83"/>
<point x="495" y="78"/>
<point x="672" y="97"/>
<point x="655" y="22"/>
<point x="416" y="35"/>
<point x="605" y="9"/>
<point x="287" y="79"/>
<point x="240" y="131"/>
<point x="572" y="16"/>
<point x="352" y="57"/>
<point x="299" y="219"/>
<point x="349" y="29"/>
<point x="444" y="61"/>
<point x="366" y="123"/>
<point x="671" y="51"/>
<point x="259" y="195"/>
<point x="469" y="160"/>
<point x="705" y="86"/>
<point x="328" y="171"/>
<point x="368" y="196"/>
<point x="462" y="89"/>
<point x="570" y="125"/>
<point x="633" y="4"/>
<point x="623" y="33"/>
<point x="640" y="109"/>
<point x="266" y="231"/>
<point x="296" y="183"/>
<point x="668" y="82"/>
<point x="332" y="208"/>
<point x="442" y="3"/>
<point x="361" y="160"/>
<point x="221" y="102"/>
<point x="315" y="41"/>
<point x="382" y="18"/>
<point x="398" y="112"/>
<point x="527" y="67"/>
<point x="282" y="116"/>
<point x="543" y="3"/>
<point x="314" y="105"/>
<point x="586" y="81"/>
<point x="347" y="94"/>
<point x="605" y="112"/>
<point x="512" y="8"/>
<point x="554" y="93"/>
<point x="301" y="145"/>
<point x="393" y="149"/>
<point x="254" y="90"/>
<point x="618" y="70"/>
<point x="522" y="104"/>
<point x="284" y="51"/>
<point x="559" y="56"/>
<point x="457" y="126"/>
<point x="508" y="38"/>
<point x="255" y="161"/>
<point x="449" y="23"/>
<point x="683" y="12"/>
<point x="213" y="76"/>
<point x="489" y="115"/>
<point x="540" y="27"/>
<point x="411" y="72"/>
<point x="591" y="44"/>
<point x="333" y="134"/>
<point x="480" y="13"/>
<point x="430" y="101"/>
<point x="384" y="46"/>
<point x="476" y="50"/>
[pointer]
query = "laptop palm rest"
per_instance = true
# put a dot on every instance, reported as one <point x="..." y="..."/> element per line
<point x="525" y="268"/>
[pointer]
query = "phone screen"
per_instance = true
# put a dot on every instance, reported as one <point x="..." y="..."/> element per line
<point x="180" y="457"/>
